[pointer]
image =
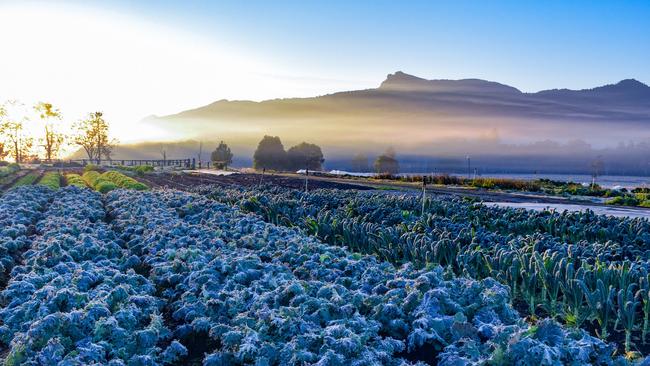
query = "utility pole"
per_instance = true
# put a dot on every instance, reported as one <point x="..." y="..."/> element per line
<point x="424" y="192"/>
<point x="306" y="178"/>
<point x="200" y="152"/>
<point x="469" y="170"/>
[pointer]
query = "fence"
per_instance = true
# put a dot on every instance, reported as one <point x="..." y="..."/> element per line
<point x="179" y="163"/>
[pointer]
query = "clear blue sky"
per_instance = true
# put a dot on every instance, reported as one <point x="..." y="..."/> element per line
<point x="171" y="56"/>
<point x="530" y="44"/>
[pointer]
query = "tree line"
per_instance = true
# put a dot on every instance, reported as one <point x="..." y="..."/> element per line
<point x="385" y="163"/>
<point x="270" y="154"/>
<point x="37" y="134"/>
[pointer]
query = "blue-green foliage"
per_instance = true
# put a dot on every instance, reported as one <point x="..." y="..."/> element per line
<point x="269" y="295"/>
<point x="19" y="209"/>
<point x="571" y="266"/>
<point x="74" y="299"/>
<point x="164" y="277"/>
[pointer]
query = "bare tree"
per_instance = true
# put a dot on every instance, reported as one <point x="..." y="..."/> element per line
<point x="163" y="152"/>
<point x="3" y="152"/>
<point x="13" y="131"/>
<point x="200" y="152"/>
<point x="92" y="136"/>
<point x="597" y="167"/>
<point x="52" y="140"/>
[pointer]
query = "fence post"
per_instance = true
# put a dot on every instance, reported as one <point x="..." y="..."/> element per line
<point x="424" y="192"/>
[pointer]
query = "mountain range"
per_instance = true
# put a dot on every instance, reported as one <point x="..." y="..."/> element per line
<point x="430" y="118"/>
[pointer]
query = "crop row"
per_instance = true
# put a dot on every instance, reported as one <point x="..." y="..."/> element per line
<point x="75" y="180"/>
<point x="76" y="298"/>
<point x="7" y="173"/>
<point x="20" y="209"/>
<point x="258" y="293"/>
<point x="108" y="181"/>
<point x="28" y="179"/>
<point x="174" y="278"/>
<point x="51" y="180"/>
<point x="582" y="283"/>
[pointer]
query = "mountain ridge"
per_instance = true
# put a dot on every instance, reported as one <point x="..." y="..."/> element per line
<point x="405" y="110"/>
<point x="403" y="82"/>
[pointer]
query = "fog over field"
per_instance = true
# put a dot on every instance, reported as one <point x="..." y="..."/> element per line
<point x="435" y="124"/>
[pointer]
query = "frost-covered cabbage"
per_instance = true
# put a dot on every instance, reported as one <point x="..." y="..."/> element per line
<point x="580" y="268"/>
<point x="164" y="277"/>
<point x="77" y="299"/>
<point x="258" y="293"/>
<point x="20" y="209"/>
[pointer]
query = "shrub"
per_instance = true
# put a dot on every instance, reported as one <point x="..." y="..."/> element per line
<point x="624" y="201"/>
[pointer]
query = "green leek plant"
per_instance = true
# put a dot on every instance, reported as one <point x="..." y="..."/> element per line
<point x="627" y="304"/>
<point x="644" y="295"/>
<point x="601" y="304"/>
<point x="573" y="296"/>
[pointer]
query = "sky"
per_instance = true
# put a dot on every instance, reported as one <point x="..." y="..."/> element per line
<point x="131" y="59"/>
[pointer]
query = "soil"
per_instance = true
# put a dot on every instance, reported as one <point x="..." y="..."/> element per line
<point x="187" y="181"/>
<point x="13" y="180"/>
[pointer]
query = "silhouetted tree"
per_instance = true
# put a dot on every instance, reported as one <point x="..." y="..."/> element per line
<point x="305" y="156"/>
<point x="13" y="132"/>
<point x="387" y="163"/>
<point x="270" y="154"/>
<point x="360" y="163"/>
<point x="163" y="153"/>
<point x="92" y="136"/>
<point x="52" y="140"/>
<point x="597" y="167"/>
<point x="222" y="155"/>
<point x="3" y="151"/>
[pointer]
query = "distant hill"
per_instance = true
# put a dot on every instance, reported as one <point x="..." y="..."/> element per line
<point x="416" y="111"/>
<point x="429" y="118"/>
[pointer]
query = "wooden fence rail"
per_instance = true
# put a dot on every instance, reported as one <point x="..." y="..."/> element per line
<point x="182" y="163"/>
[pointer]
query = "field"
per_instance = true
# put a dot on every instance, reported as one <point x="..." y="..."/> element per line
<point x="276" y="276"/>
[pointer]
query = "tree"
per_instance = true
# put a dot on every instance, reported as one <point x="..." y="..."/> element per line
<point x="597" y="167"/>
<point x="13" y="131"/>
<point x="360" y="163"/>
<point x="52" y="140"/>
<point x="200" y="155"/>
<point x="305" y="156"/>
<point x="387" y="163"/>
<point x="222" y="156"/>
<point x="92" y="136"/>
<point x="163" y="152"/>
<point x="3" y="151"/>
<point x="270" y="154"/>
